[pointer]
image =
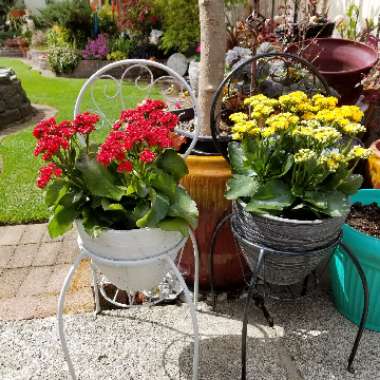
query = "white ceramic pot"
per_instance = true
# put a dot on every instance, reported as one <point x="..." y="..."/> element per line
<point x="138" y="244"/>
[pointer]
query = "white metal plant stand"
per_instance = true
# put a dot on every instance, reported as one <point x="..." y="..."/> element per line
<point x="168" y="83"/>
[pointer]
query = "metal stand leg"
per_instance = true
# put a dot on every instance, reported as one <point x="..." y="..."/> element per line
<point x="363" y="319"/>
<point x="193" y="317"/>
<point x="196" y="266"/>
<point x="61" y="302"/>
<point x="252" y="286"/>
<point x="214" y="237"/>
<point x="96" y="290"/>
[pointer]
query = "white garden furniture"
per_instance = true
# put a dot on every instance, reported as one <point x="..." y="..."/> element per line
<point x="148" y="260"/>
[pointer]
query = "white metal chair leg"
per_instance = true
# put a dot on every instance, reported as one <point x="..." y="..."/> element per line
<point x="61" y="303"/>
<point x="193" y="317"/>
<point x="196" y="265"/>
<point x="98" y="308"/>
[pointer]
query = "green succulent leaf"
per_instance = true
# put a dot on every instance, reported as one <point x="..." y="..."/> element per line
<point x="55" y="192"/>
<point x="241" y="186"/>
<point x="331" y="203"/>
<point x="351" y="184"/>
<point x="172" y="163"/>
<point x="157" y="212"/>
<point x="273" y="196"/>
<point x="184" y="207"/>
<point x="238" y="159"/>
<point x="99" y="181"/>
<point x="110" y="206"/>
<point x="175" y="224"/>
<point x="62" y="220"/>
<point x="164" y="183"/>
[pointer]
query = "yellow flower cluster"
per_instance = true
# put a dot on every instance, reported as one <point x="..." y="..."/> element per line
<point x="358" y="152"/>
<point x="294" y="101"/>
<point x="322" y="135"/>
<point x="332" y="161"/>
<point x="304" y="155"/>
<point x="261" y="106"/>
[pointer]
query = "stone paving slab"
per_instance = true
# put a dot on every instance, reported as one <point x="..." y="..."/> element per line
<point x="310" y="341"/>
<point x="32" y="270"/>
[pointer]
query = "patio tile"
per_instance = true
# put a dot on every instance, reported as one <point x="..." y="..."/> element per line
<point x="46" y="254"/>
<point x="10" y="281"/>
<point x="33" y="233"/>
<point x="23" y="256"/>
<point x="47" y="239"/>
<point x="69" y="250"/>
<point x="6" y="253"/>
<point x="82" y="277"/>
<point x="35" y="282"/>
<point x="55" y="282"/>
<point x="18" y="308"/>
<point x="46" y="306"/>
<point x="10" y="235"/>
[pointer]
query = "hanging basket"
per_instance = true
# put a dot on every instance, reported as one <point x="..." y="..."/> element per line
<point x="134" y="246"/>
<point x="294" y="248"/>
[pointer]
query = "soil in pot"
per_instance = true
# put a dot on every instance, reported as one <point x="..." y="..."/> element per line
<point x="365" y="218"/>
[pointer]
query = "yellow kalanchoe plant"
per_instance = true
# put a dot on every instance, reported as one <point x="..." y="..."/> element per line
<point x="295" y="155"/>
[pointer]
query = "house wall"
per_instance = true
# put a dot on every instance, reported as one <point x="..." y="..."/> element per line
<point x="34" y="5"/>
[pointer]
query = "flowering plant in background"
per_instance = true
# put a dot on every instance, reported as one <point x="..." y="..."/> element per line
<point x="295" y="156"/>
<point x="97" y="48"/>
<point x="129" y="181"/>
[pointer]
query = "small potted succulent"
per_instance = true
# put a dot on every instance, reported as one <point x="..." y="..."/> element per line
<point x="123" y="194"/>
<point x="292" y="161"/>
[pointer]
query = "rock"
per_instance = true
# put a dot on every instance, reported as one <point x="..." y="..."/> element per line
<point x="14" y="104"/>
<point x="9" y="116"/>
<point x="179" y="63"/>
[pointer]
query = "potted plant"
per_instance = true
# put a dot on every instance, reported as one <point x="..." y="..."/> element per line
<point x="292" y="162"/>
<point x="123" y="194"/>
<point x="360" y="235"/>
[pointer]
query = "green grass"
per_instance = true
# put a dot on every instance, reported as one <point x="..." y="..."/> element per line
<point x="20" y="200"/>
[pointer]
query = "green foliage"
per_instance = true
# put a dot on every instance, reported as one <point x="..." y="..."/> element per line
<point x="107" y="22"/>
<point x="180" y="23"/>
<point x="72" y="15"/>
<point x="63" y="59"/>
<point x="20" y="200"/>
<point x="123" y="45"/>
<point x="295" y="156"/>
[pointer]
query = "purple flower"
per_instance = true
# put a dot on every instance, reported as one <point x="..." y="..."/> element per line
<point x="96" y="49"/>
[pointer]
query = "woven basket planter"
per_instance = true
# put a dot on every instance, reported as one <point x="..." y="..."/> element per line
<point x="294" y="247"/>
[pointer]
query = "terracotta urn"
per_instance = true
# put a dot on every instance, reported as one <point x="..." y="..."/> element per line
<point x="206" y="183"/>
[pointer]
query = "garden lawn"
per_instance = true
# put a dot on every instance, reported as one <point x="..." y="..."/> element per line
<point x="20" y="200"/>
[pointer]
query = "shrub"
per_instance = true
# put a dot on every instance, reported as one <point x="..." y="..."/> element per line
<point x="97" y="48"/>
<point x="63" y="59"/>
<point x="180" y="21"/>
<point x="138" y="16"/>
<point x="72" y="15"/>
<point x="58" y="36"/>
<point x="116" y="55"/>
<point x="123" y="45"/>
<point x="107" y="22"/>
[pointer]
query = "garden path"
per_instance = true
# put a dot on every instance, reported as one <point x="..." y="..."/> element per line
<point x="32" y="270"/>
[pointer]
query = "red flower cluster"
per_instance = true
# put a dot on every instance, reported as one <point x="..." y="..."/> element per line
<point x="46" y="173"/>
<point x="52" y="136"/>
<point x="84" y="123"/>
<point x="147" y="127"/>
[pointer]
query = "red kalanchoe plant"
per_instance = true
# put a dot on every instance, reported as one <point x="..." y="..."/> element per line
<point x="130" y="181"/>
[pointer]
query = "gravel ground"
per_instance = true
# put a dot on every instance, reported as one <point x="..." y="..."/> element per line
<point x="310" y="341"/>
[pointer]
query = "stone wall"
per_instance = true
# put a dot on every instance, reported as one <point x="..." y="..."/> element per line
<point x="14" y="104"/>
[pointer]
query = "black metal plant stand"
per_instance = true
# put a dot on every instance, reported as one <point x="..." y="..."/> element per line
<point x="260" y="300"/>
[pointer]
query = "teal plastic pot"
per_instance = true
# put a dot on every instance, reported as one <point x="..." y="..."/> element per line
<point x="346" y="286"/>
